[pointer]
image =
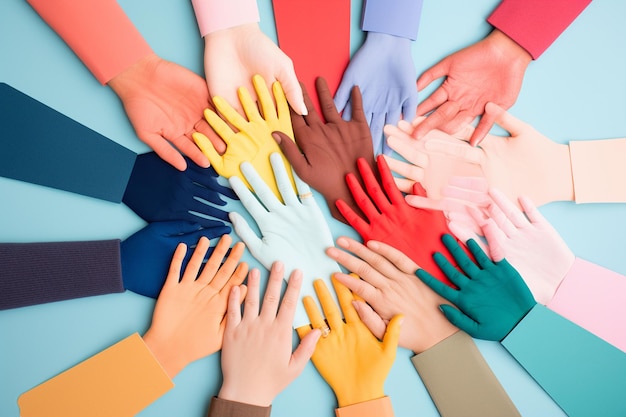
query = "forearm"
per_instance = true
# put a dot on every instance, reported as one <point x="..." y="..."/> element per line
<point x="455" y="365"/>
<point x="121" y="380"/>
<point x="37" y="273"/>
<point x="99" y="32"/>
<point x="398" y="18"/>
<point x="592" y="297"/>
<point x="59" y="152"/>
<point x="582" y="373"/>
<point x="215" y="15"/>
<point x="535" y="24"/>
<point x="598" y="170"/>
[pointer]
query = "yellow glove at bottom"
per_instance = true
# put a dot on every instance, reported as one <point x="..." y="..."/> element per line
<point x="348" y="356"/>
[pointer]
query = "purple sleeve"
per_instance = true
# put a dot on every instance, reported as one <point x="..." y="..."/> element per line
<point x="37" y="273"/>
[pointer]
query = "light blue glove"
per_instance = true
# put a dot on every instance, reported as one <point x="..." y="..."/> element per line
<point x="294" y="233"/>
<point x="384" y="71"/>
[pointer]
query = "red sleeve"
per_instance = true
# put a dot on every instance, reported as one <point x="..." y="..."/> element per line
<point x="535" y="24"/>
<point x="98" y="31"/>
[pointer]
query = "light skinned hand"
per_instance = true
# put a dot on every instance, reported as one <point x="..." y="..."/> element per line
<point x="388" y="287"/>
<point x="491" y="70"/>
<point x="525" y="163"/>
<point x="353" y="361"/>
<point x="232" y="56"/>
<point x="383" y="69"/>
<point x="257" y="361"/>
<point x="188" y="320"/>
<point x="165" y="102"/>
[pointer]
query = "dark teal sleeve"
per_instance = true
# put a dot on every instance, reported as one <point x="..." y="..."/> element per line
<point x="42" y="146"/>
<point x="583" y="374"/>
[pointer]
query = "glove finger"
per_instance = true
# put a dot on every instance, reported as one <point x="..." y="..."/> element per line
<point x="463" y="261"/>
<point x="268" y="110"/>
<point x="250" y="238"/>
<point x="315" y="317"/>
<point x="376" y="128"/>
<point x="205" y="213"/>
<point x="437" y="286"/>
<point x="392" y="335"/>
<point x="329" y="110"/>
<point x="205" y="145"/>
<point x="248" y="200"/>
<point x="261" y="189"/>
<point x="283" y="182"/>
<point x="344" y="295"/>
<point x="330" y="308"/>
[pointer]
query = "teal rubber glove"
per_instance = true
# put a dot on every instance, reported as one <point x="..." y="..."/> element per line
<point x="294" y="233"/>
<point x="492" y="296"/>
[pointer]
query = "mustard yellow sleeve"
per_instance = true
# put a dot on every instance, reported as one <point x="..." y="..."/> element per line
<point x="460" y="382"/>
<point x="380" y="407"/>
<point x="119" y="381"/>
<point x="598" y="170"/>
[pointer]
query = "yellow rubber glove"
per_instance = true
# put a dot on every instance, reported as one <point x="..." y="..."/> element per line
<point x="348" y="356"/>
<point x="253" y="142"/>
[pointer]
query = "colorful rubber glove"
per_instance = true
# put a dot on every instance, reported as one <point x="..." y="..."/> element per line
<point x="158" y="192"/>
<point x="492" y="296"/>
<point x="257" y="358"/>
<point x="491" y="70"/>
<point x="526" y="163"/>
<point x="348" y="356"/>
<point x="388" y="287"/>
<point x="164" y="103"/>
<point x="233" y="55"/>
<point x="327" y="151"/>
<point x="524" y="237"/>
<point x="188" y="320"/>
<point x="389" y="219"/>
<point x="294" y="233"/>
<point x="253" y="142"/>
<point x="145" y="255"/>
<point x="383" y="69"/>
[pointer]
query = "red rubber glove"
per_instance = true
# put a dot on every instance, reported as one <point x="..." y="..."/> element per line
<point x="415" y="232"/>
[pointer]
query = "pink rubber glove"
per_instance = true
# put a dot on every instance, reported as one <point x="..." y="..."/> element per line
<point x="527" y="241"/>
<point x="490" y="70"/>
<point x="232" y="56"/>
<point x="257" y="361"/>
<point x="165" y="104"/>
<point x="525" y="163"/>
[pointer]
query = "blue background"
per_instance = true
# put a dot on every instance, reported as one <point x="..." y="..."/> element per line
<point x="574" y="91"/>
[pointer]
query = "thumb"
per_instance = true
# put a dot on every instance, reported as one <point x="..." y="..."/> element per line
<point x="392" y="335"/>
<point x="511" y="124"/>
<point x="293" y="154"/>
<point x="305" y="350"/>
<point x="293" y="92"/>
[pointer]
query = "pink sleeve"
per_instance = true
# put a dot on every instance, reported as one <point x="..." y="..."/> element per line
<point x="593" y="297"/>
<point x="98" y="31"/>
<point x="535" y="24"/>
<point x="214" y="15"/>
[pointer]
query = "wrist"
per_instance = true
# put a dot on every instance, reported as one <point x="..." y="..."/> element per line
<point x="386" y="41"/>
<point x="427" y="340"/>
<point x="509" y="48"/>
<point x="170" y="361"/>
<point x="134" y="75"/>
<point x="233" y="35"/>
<point x="357" y="393"/>
<point x="238" y="393"/>
<point x="562" y="182"/>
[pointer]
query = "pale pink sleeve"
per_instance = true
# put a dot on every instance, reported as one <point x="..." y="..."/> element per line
<point x="214" y="15"/>
<point x="98" y="31"/>
<point x="593" y="297"/>
<point x="598" y="170"/>
<point x="535" y="24"/>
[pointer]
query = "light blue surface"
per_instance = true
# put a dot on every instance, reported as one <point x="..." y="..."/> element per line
<point x="575" y="90"/>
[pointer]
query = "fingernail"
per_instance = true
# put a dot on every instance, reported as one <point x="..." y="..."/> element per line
<point x="304" y="111"/>
<point x="373" y="245"/>
<point x="342" y="241"/>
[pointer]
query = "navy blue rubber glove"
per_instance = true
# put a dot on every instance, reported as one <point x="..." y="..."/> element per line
<point x="147" y="254"/>
<point x="158" y="192"/>
<point x="492" y="296"/>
